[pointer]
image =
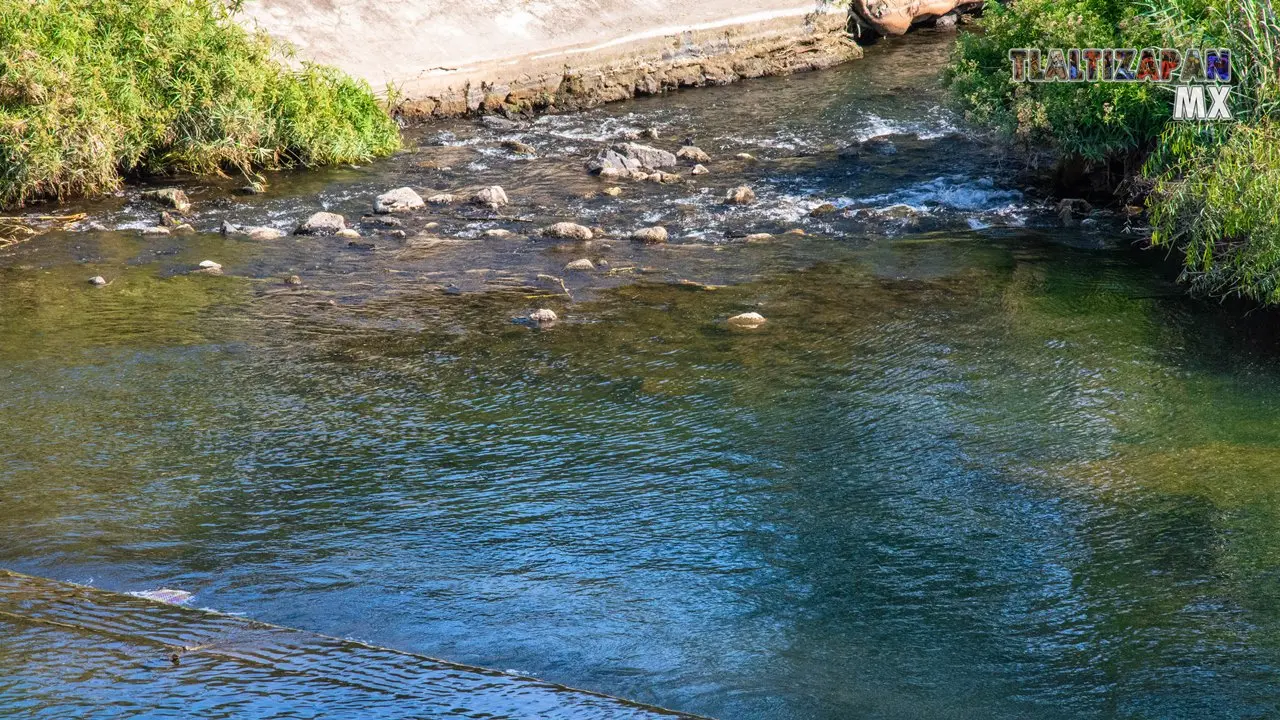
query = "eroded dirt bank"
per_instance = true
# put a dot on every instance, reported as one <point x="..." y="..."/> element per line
<point x="447" y="59"/>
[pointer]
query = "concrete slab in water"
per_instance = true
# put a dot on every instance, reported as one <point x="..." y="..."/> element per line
<point x="74" y="651"/>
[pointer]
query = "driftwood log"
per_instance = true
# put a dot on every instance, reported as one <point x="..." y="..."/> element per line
<point x="893" y="17"/>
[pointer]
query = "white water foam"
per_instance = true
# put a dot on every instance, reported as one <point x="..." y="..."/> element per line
<point x="954" y="192"/>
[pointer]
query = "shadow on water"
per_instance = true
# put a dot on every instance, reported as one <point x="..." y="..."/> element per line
<point x="974" y="465"/>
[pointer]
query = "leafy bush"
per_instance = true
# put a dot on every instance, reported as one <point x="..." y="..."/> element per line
<point x="90" y="89"/>
<point x="1216" y="192"/>
<point x="1095" y="121"/>
<point x="1215" y="188"/>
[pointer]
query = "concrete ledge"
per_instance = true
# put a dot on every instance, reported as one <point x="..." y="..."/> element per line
<point x="585" y="52"/>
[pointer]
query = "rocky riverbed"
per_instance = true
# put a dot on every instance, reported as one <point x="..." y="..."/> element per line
<point x="705" y="189"/>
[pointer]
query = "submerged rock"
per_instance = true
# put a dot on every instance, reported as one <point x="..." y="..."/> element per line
<point x="741" y="195"/>
<point x="898" y="211"/>
<point x="254" y="188"/>
<point x="97" y="280"/>
<point x="651" y="235"/>
<point x="399" y="200"/>
<point x="493" y="196"/>
<point x="493" y="122"/>
<point x="747" y="321"/>
<point x="253" y="232"/>
<point x="583" y="265"/>
<point x="322" y="223"/>
<point x="745" y="157"/>
<point x="519" y="148"/>
<point x="614" y="191"/>
<point x="699" y="170"/>
<point x="171" y="197"/>
<point x="665" y="178"/>
<point x="880" y="145"/>
<point x="347" y="233"/>
<point x="183" y="229"/>
<point x="164" y="595"/>
<point x="568" y="230"/>
<point x="442" y="199"/>
<point x="293" y="280"/>
<point x="693" y="155"/>
<point x="543" y="316"/>
<point x="208" y="267"/>
<point x="947" y="22"/>
<point x="157" y="230"/>
<point x="754" y="238"/>
<point x="498" y="233"/>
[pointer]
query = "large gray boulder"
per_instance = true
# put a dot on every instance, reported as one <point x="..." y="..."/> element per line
<point x="493" y="196"/>
<point x="399" y="200"/>
<point x="630" y="157"/>
<point x="650" y="158"/>
<point x="322" y="223"/>
<point x="568" y="230"/>
<point x="612" y="163"/>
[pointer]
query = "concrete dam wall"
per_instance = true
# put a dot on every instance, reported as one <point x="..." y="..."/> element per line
<point x="445" y="57"/>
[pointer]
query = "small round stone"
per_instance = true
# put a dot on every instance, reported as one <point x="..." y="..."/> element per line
<point x="747" y="321"/>
<point x="543" y="316"/>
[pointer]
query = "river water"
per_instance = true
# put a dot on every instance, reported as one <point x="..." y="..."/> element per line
<point x="975" y="465"/>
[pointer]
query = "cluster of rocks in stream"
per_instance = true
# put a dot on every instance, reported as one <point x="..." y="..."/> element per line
<point x="629" y="160"/>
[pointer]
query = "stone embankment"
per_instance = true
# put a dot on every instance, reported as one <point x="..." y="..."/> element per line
<point x="441" y="59"/>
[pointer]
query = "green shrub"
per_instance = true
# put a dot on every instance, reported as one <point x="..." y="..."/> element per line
<point x="91" y="89"/>
<point x="1215" y="188"/>
<point x="1096" y="121"/>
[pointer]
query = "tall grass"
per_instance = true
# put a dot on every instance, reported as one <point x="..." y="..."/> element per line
<point x="93" y="89"/>
<point x="1216" y="191"/>
<point x="1214" y="187"/>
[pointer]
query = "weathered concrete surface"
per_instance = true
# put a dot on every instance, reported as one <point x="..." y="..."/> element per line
<point x="444" y="57"/>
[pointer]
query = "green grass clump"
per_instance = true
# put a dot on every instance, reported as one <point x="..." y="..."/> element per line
<point x="93" y="89"/>
<point x="1214" y="187"/>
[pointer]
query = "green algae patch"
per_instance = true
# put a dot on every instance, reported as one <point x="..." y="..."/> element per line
<point x="140" y="309"/>
<point x="1227" y="474"/>
<point x="93" y="91"/>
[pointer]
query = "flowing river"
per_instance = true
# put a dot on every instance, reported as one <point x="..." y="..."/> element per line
<point x="975" y="465"/>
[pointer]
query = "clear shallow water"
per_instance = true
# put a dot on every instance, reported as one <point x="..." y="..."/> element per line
<point x="1006" y="472"/>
